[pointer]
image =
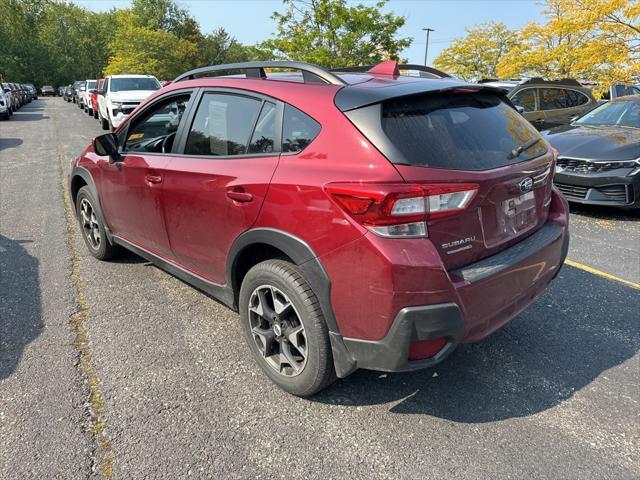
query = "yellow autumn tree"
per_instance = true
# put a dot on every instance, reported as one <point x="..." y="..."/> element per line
<point x="596" y="40"/>
<point x="477" y="54"/>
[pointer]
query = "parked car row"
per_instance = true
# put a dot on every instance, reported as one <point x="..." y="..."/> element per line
<point x="109" y="100"/>
<point x="15" y="95"/>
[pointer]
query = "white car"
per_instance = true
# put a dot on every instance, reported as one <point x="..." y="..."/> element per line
<point x="120" y="94"/>
<point x="85" y="96"/>
<point x="5" y="104"/>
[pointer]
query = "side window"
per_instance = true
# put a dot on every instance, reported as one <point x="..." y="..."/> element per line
<point x="553" y="98"/>
<point x="525" y="98"/>
<point x="575" y="98"/>
<point x="264" y="135"/>
<point x="222" y="125"/>
<point x="298" y="130"/>
<point x="156" y="130"/>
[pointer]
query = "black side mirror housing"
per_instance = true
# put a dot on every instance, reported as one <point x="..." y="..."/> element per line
<point x="107" y="144"/>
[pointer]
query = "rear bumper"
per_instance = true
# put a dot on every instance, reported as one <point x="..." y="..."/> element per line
<point x="483" y="297"/>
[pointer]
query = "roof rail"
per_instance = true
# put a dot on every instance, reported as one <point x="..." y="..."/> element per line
<point x="408" y="66"/>
<point x="311" y="73"/>
<point x="562" y="81"/>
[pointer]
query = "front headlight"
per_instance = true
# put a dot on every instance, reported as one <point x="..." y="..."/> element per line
<point x="637" y="169"/>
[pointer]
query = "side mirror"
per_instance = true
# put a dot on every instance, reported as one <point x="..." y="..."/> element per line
<point x="520" y="109"/>
<point x="107" y="145"/>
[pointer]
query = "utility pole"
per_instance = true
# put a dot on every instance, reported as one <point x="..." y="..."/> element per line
<point x="426" y="47"/>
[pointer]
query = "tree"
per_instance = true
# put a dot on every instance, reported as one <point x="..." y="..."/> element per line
<point x="55" y="43"/>
<point x="141" y="50"/>
<point x="333" y="34"/>
<point x="591" y="39"/>
<point x="477" y="54"/>
<point x="219" y="47"/>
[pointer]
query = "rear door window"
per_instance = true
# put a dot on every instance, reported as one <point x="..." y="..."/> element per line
<point x="554" y="99"/>
<point x="264" y="135"/>
<point x="222" y="125"/>
<point x="460" y="131"/>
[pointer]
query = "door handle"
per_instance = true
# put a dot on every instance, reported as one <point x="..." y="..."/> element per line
<point x="153" y="178"/>
<point x="239" y="196"/>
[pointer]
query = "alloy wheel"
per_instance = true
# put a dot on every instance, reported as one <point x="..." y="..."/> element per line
<point x="277" y="330"/>
<point x="89" y="223"/>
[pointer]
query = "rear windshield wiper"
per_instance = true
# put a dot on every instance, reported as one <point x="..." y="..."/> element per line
<point x="521" y="148"/>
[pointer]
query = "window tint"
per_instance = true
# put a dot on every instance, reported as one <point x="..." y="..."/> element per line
<point x="298" y="130"/>
<point x="222" y="125"/>
<point x="555" y="98"/>
<point x="264" y="135"/>
<point x="120" y="84"/>
<point x="458" y="131"/>
<point x="575" y="98"/>
<point x="525" y="98"/>
<point x="156" y="130"/>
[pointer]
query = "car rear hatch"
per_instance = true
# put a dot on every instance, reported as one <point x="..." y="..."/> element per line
<point x="485" y="171"/>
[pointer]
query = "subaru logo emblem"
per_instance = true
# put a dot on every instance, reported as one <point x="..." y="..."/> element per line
<point x="526" y="185"/>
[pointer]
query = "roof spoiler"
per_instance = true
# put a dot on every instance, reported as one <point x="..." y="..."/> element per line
<point x="392" y="67"/>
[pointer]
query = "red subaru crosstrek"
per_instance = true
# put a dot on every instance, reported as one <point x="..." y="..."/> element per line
<point x="355" y="220"/>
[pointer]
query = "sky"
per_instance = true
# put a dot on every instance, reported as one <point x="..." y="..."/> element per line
<point x="249" y="20"/>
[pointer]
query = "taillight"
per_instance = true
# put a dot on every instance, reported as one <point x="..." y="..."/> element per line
<point x="400" y="210"/>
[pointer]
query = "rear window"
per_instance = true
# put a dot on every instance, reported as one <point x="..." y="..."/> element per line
<point x="460" y="131"/>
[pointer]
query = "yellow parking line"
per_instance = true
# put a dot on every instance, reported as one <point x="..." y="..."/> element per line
<point x="602" y="274"/>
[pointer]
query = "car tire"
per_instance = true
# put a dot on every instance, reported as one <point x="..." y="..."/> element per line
<point x="291" y="345"/>
<point x="92" y="227"/>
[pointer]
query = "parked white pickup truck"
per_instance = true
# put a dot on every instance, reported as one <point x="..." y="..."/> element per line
<point x="120" y="94"/>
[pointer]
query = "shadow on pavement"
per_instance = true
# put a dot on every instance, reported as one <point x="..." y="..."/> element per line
<point x="129" y="258"/>
<point x="583" y="327"/>
<point x="605" y="213"/>
<point x="20" y="311"/>
<point x="27" y="117"/>
<point x="6" y="143"/>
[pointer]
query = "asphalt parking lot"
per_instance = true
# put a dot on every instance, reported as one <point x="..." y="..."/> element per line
<point x="121" y="369"/>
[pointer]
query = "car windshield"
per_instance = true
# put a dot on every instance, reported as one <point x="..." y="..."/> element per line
<point x="134" y="83"/>
<point x="624" y="113"/>
<point x="91" y="84"/>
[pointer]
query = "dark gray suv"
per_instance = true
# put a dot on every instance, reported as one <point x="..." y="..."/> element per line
<point x="548" y="103"/>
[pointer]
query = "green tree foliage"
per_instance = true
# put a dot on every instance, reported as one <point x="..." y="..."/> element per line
<point x="331" y="33"/>
<point x="143" y="50"/>
<point x="48" y="42"/>
<point x="477" y="54"/>
<point x="57" y="42"/>
<point x="219" y="47"/>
